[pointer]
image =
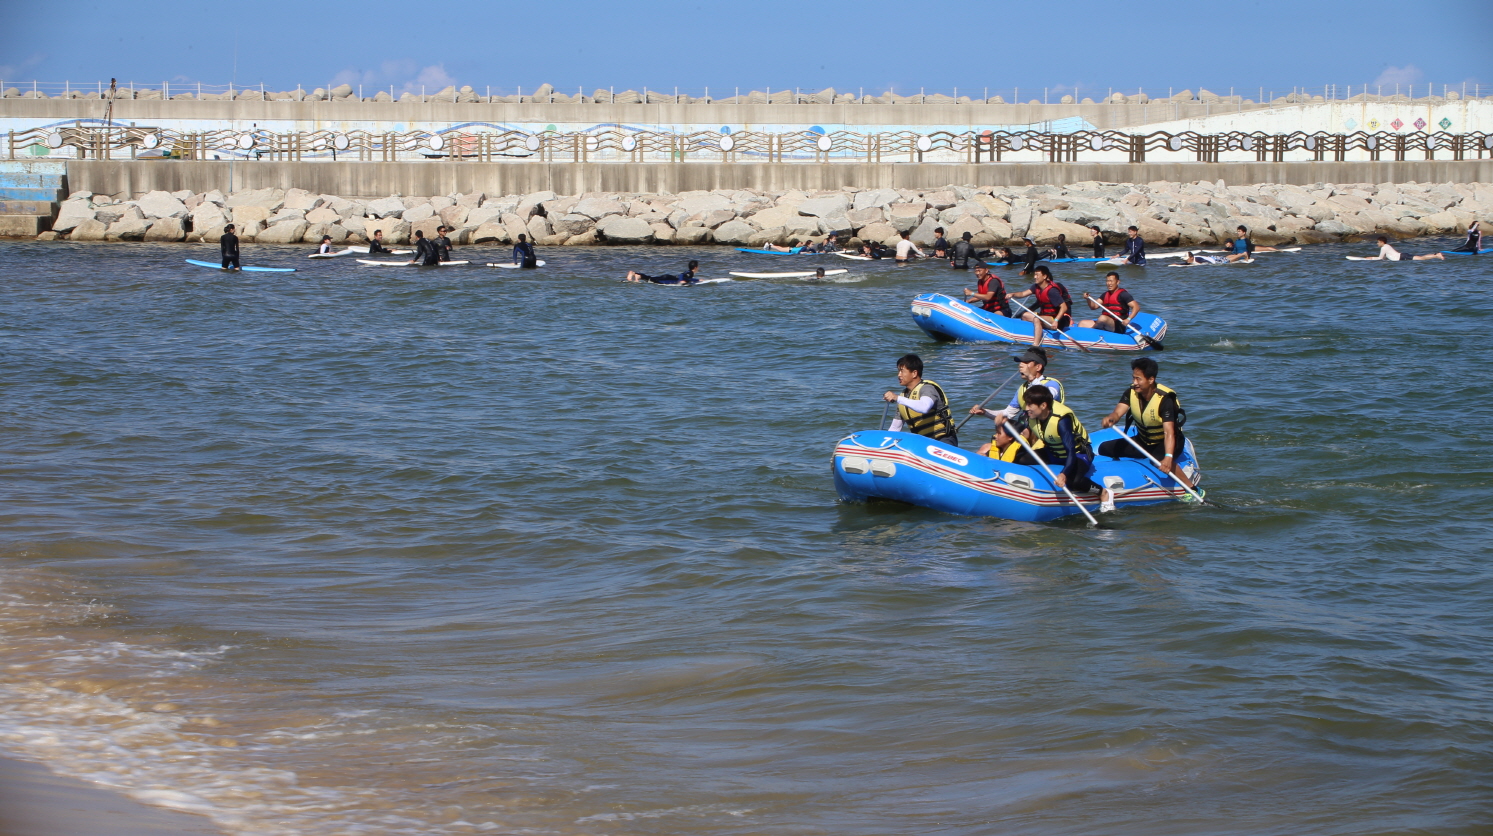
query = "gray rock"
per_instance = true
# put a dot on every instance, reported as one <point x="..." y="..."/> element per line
<point x="1021" y="217"/>
<point x="72" y="213"/>
<point x="572" y="224"/>
<point x="597" y="208"/>
<point x="491" y="233"/>
<point x="706" y="203"/>
<point x="389" y="207"/>
<point x="662" y="233"/>
<point x="1331" y="226"/>
<point x="858" y="218"/>
<point x="514" y="225"/>
<point x="88" y="229"/>
<point x="108" y="213"/>
<point x="284" y="215"/>
<point x="924" y="235"/>
<point x="905" y="216"/>
<point x="396" y="230"/>
<point x="418" y="213"/>
<point x="268" y="199"/>
<point x="289" y="232"/>
<point x="484" y="214"/>
<point x="132" y="226"/>
<point x="322" y="215"/>
<point x="539" y="228"/>
<point x="694" y="235"/>
<point x="823" y="207"/>
<point x="302" y="200"/>
<point x="734" y="232"/>
<point x="874" y="199"/>
<point x="166" y="229"/>
<point x="530" y="203"/>
<point x="249" y="214"/>
<point x="619" y="230"/>
<point x="160" y="204"/>
<point x="314" y="232"/>
<point x="881" y="232"/>
<point x="940" y="200"/>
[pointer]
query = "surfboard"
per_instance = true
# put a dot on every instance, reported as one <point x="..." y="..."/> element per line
<point x="539" y="263"/>
<point x="770" y="252"/>
<point x="799" y="275"/>
<point x="1464" y="252"/>
<point x="407" y="264"/>
<point x="212" y="266"/>
<point x="331" y="255"/>
<point x="854" y="257"/>
<point x="364" y="251"/>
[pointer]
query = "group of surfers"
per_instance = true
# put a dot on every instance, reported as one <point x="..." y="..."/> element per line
<point x="1038" y="428"/>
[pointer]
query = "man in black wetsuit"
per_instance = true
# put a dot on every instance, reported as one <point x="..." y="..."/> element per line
<point x="687" y="277"/>
<point x="228" y="247"/>
<point x="425" y="252"/>
<point x="442" y="243"/>
<point x="963" y="252"/>
<point x="523" y="253"/>
<point x="1059" y="250"/>
<point x="1098" y="242"/>
<point x="376" y="246"/>
<point x="1031" y="257"/>
<point x="1474" y="242"/>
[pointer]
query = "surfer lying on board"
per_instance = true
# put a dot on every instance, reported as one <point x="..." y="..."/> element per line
<point x="1474" y="240"/>
<point x="1194" y="259"/>
<point x="425" y="251"/>
<point x="1158" y="416"/>
<point x="922" y="408"/>
<point x="906" y="249"/>
<point x="1053" y="304"/>
<point x="1118" y="306"/>
<point x="989" y="292"/>
<point x="687" y="277"/>
<point x="1388" y="253"/>
<point x="523" y="253"/>
<point x="228" y="247"/>
<point x="795" y="249"/>
<point x="376" y="246"/>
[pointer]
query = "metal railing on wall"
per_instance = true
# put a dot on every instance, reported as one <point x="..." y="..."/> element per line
<point x="617" y="145"/>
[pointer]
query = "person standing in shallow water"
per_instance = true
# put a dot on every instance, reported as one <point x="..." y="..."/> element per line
<point x="425" y="252"/>
<point x="922" y="408"/>
<point x="228" y="248"/>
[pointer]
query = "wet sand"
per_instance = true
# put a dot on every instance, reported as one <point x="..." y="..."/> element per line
<point x="35" y="802"/>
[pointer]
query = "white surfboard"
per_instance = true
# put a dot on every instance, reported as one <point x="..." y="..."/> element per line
<point x="348" y="251"/>
<point x="408" y="264"/>
<point x="795" y="275"/>
<point x="539" y="263"/>
<point x="364" y="251"/>
<point x="854" y="257"/>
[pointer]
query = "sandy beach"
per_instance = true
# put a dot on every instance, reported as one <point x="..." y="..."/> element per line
<point x="35" y="802"/>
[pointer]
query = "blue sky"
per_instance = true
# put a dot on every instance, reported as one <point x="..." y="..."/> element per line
<point x="693" y="44"/>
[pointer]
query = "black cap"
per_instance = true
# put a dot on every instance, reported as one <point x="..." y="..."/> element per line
<point x="968" y="235"/>
<point x="1031" y="355"/>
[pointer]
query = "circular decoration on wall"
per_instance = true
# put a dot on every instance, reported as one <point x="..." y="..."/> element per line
<point x="592" y="143"/>
<point x="1016" y="143"/>
<point x="727" y="143"/>
<point x="815" y="129"/>
<point x="1248" y="142"/>
<point x="1488" y="141"/>
<point x="54" y="139"/>
<point x="1097" y="143"/>
<point x="1311" y="143"/>
<point x="629" y="143"/>
<point x="551" y="128"/>
<point x="725" y="131"/>
<point x="823" y="142"/>
<point x="245" y="141"/>
<point x="1431" y="143"/>
<point x="1373" y="143"/>
<point x="340" y="142"/>
<point x="436" y="142"/>
<point x="924" y="143"/>
<point x="150" y="141"/>
<point x="532" y="142"/>
<point x="1175" y="143"/>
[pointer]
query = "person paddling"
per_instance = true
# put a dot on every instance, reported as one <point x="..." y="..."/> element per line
<point x="687" y="277"/>
<point x="922" y="408"/>
<point x="1118" y="306"/>
<point x="228" y="248"/>
<point x="523" y="253"/>
<point x="1135" y="248"/>
<point x="376" y="246"/>
<point x="989" y="291"/>
<point x="1158" y="416"/>
<point x="1065" y="442"/>
<point x="1032" y="366"/>
<point x="1053" y="304"/>
<point x="1388" y="253"/>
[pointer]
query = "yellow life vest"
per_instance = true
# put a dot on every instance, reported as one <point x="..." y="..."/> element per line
<point x="1006" y="455"/>
<point x="1060" y="395"/>
<point x="1047" y="432"/>
<point x="936" y="423"/>
<point x="1148" y="418"/>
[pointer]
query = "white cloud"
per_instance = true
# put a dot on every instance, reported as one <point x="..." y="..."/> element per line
<point x="404" y="76"/>
<point x="1408" y="74"/>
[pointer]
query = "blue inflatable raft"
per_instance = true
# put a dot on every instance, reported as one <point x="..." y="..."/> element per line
<point x="904" y="467"/>
<point x="945" y="318"/>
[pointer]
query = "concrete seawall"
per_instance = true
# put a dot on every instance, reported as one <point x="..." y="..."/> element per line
<point x="129" y="178"/>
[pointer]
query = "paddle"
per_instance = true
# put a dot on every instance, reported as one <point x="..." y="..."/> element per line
<point x="886" y="405"/>
<point x="986" y="401"/>
<point x="1048" y="322"/>
<point x="1016" y="434"/>
<point x="1154" y="343"/>
<point x="1133" y="443"/>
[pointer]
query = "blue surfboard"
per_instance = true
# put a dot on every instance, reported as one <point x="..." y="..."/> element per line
<point x="772" y="252"/>
<point x="1464" y="252"/>
<point x="212" y="266"/>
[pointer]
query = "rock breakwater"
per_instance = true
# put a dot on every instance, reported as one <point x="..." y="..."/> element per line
<point x="1167" y="214"/>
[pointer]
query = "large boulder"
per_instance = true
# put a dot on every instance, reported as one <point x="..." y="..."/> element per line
<point x="880" y="232"/>
<point x="597" y="208"/>
<point x="706" y="203"/>
<point x="455" y="215"/>
<point x="243" y="215"/>
<point x="662" y="233"/>
<point x="419" y="213"/>
<point x="572" y="224"/>
<point x="515" y="226"/>
<point x="694" y="235"/>
<point x="322" y="215"/>
<point x="302" y="200"/>
<point x="396" y="230"/>
<point x="620" y="230"/>
<point x="72" y="213"/>
<point x="270" y="199"/>
<point x="314" y="232"/>
<point x="1154" y="232"/>
<point x="906" y="216"/>
<point x="389" y="207"/>
<point x="165" y="229"/>
<point x="825" y="207"/>
<point x="530" y="203"/>
<point x="88" y="229"/>
<point x="863" y="217"/>
<point x="427" y="226"/>
<point x="1046" y="228"/>
<point x="924" y="235"/>
<point x="1021" y="217"/>
<point x="979" y="236"/>
<point x="734" y="232"/>
<point x="998" y="229"/>
<point x="289" y="232"/>
<point x="874" y="199"/>
<point x="484" y="214"/>
<point x="161" y="205"/>
<point x="715" y="217"/>
<point x="539" y="228"/>
<point x="131" y="226"/>
<point x="940" y="200"/>
<point x="491" y="233"/>
<point x="997" y="208"/>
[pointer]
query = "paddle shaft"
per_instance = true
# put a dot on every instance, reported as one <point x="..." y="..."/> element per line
<point x="1149" y="340"/>
<point x="1143" y="451"/>
<point x="986" y="401"/>
<point x="1054" y="326"/>
<point x="886" y="405"/>
<point x="1016" y="434"/>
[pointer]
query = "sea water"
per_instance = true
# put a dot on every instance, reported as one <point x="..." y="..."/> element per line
<point x="438" y="551"/>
